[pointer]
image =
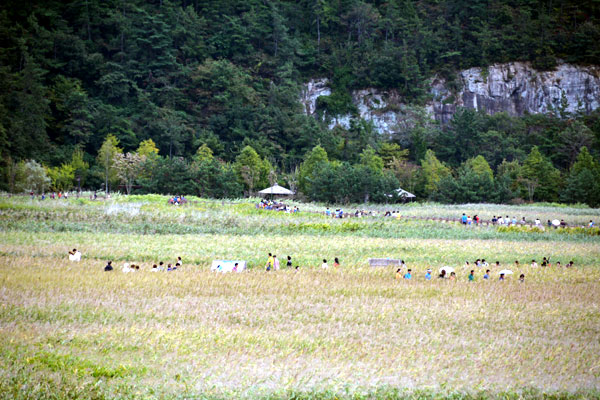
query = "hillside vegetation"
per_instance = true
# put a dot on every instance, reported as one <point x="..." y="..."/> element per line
<point x="203" y="83"/>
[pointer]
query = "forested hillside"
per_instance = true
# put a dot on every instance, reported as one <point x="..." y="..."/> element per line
<point x="202" y="97"/>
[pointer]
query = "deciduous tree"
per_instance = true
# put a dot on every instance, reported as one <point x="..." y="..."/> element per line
<point x="128" y="167"/>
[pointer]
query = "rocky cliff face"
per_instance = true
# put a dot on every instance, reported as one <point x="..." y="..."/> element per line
<point x="515" y="88"/>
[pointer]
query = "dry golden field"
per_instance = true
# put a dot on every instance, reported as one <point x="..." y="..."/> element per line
<point x="71" y="330"/>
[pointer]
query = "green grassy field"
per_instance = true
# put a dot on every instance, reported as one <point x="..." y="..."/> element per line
<point x="70" y="330"/>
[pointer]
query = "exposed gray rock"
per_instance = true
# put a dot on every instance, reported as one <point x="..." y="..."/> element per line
<point x="515" y="88"/>
<point x="314" y="89"/>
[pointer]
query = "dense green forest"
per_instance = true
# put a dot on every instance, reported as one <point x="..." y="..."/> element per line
<point x="202" y="97"/>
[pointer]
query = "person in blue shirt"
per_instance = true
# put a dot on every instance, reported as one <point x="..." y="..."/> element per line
<point x="428" y="275"/>
<point x="408" y="275"/>
<point x="487" y="274"/>
<point x="464" y="219"/>
<point x="501" y="277"/>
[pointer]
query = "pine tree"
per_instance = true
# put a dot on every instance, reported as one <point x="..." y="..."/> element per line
<point x="540" y="178"/>
<point x="583" y="183"/>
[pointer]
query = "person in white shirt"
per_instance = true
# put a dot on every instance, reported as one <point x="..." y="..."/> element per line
<point x="126" y="268"/>
<point x="74" y="255"/>
<point x="324" y="265"/>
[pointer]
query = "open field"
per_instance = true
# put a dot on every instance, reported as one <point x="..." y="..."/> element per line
<point x="70" y="330"/>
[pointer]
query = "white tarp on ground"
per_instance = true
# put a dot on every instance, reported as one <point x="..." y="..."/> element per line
<point x="277" y="190"/>
<point x="227" y="265"/>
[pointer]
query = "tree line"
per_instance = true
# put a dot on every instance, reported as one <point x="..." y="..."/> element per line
<point x="226" y="76"/>
<point x="376" y="175"/>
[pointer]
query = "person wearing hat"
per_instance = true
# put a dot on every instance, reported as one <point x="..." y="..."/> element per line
<point x="428" y="275"/>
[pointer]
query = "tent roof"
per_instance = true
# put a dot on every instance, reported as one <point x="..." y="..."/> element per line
<point x="276" y="189"/>
<point x="403" y="193"/>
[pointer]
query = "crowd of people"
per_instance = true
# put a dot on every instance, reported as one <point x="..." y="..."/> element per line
<point x="127" y="267"/>
<point x="62" y="195"/>
<point x="177" y="200"/>
<point x="508" y="221"/>
<point x="452" y="275"/>
<point x="265" y="204"/>
<point x="449" y="273"/>
<point x="52" y="195"/>
<point x="402" y="272"/>
<point x="464" y="219"/>
<point x="338" y="213"/>
<point x="273" y="263"/>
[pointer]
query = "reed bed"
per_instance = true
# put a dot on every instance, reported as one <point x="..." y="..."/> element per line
<point x="242" y="218"/>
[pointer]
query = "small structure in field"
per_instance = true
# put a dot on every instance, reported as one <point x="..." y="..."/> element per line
<point x="384" y="262"/>
<point x="276" y="190"/>
<point x="404" y="195"/>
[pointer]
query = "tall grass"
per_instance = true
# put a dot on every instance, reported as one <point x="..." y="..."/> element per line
<point x="70" y="330"/>
<point x="146" y="216"/>
<point x="314" y="331"/>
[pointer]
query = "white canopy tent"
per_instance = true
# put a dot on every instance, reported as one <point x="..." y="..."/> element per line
<point x="276" y="190"/>
<point x="404" y="194"/>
